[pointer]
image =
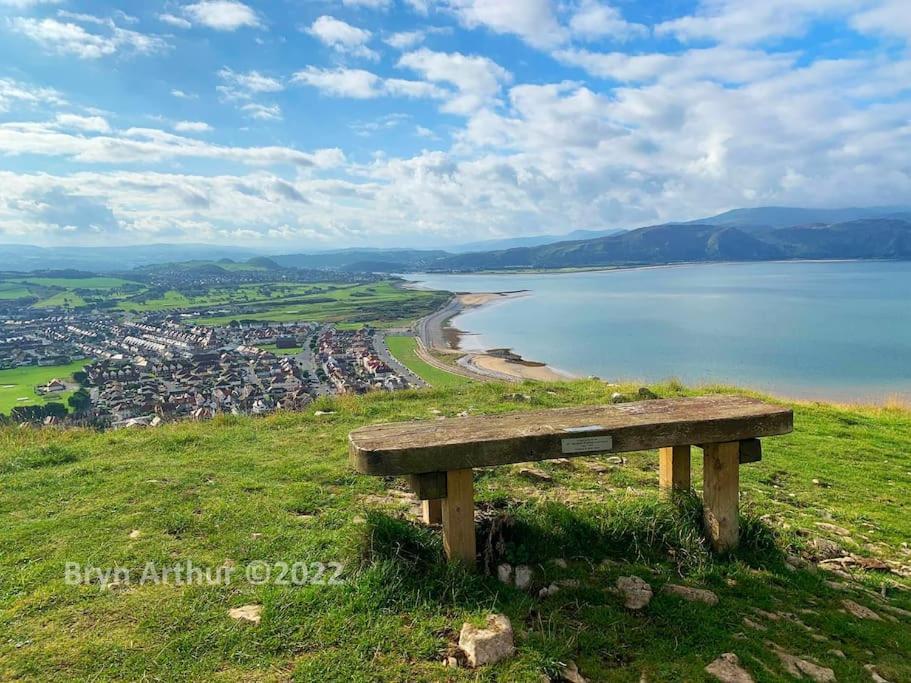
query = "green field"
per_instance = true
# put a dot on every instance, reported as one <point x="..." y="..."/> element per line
<point x="281" y="352"/>
<point x="239" y="491"/>
<point x="88" y="283"/>
<point x="12" y="290"/>
<point x="20" y="383"/>
<point x="403" y="348"/>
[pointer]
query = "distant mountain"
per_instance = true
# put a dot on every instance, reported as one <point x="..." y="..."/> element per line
<point x="679" y="243"/>
<point x="532" y="241"/>
<point x="388" y="260"/>
<point x="786" y="217"/>
<point x="24" y="258"/>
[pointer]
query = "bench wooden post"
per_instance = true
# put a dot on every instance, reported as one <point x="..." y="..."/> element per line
<point x="458" y="517"/>
<point x="432" y="511"/>
<point x="674" y="469"/>
<point x="720" y="494"/>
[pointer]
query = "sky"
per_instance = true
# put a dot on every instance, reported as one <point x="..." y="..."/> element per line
<point x="314" y="124"/>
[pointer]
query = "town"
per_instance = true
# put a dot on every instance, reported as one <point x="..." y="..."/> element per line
<point x="158" y="367"/>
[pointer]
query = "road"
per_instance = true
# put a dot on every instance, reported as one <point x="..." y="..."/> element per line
<point x="379" y="345"/>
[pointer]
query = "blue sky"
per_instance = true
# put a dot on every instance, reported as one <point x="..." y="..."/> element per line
<point x="295" y="124"/>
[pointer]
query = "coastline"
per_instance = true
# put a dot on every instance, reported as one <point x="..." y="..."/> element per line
<point x="437" y="336"/>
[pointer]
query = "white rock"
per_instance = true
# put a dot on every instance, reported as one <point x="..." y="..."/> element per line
<point x="570" y="673"/>
<point x="727" y="669"/>
<point x="504" y="573"/>
<point x="524" y="576"/>
<point x="548" y="590"/>
<point x="318" y="413"/>
<point x="860" y="611"/>
<point x="487" y="645"/>
<point x="797" y="666"/>
<point x="559" y="562"/>
<point x="135" y="533"/>
<point x="832" y="528"/>
<point x="874" y="674"/>
<point x="535" y="474"/>
<point x="250" y="613"/>
<point x="692" y="594"/>
<point x="636" y="592"/>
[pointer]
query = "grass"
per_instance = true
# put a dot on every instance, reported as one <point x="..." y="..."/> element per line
<point x="88" y="283"/>
<point x="12" y="290"/>
<point x="19" y="383"/>
<point x="238" y="490"/>
<point x="281" y="352"/>
<point x="67" y="299"/>
<point x="403" y="348"/>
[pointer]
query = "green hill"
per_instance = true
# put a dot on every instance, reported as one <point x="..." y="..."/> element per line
<point x="242" y="491"/>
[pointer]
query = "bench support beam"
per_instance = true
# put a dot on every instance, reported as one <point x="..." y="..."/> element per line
<point x="458" y="517"/>
<point x="432" y="511"/>
<point x="674" y="469"/>
<point x="720" y="494"/>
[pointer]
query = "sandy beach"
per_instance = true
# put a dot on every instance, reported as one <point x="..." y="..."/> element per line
<point x="437" y="333"/>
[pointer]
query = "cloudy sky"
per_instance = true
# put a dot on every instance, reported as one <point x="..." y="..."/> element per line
<point x="290" y="124"/>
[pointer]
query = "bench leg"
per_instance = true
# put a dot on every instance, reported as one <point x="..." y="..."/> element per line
<point x="674" y="469"/>
<point x="721" y="488"/>
<point x="432" y="511"/>
<point x="458" y="517"/>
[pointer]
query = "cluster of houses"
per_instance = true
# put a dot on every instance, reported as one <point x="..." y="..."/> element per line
<point x="205" y="383"/>
<point x="159" y="368"/>
<point x="351" y="364"/>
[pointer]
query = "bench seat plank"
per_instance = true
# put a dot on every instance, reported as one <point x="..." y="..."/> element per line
<point x="418" y="447"/>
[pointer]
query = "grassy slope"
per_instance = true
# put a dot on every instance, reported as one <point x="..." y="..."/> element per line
<point x="403" y="348"/>
<point x="24" y="381"/>
<point x="280" y="488"/>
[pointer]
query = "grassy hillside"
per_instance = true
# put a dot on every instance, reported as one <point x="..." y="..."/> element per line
<point x="233" y="492"/>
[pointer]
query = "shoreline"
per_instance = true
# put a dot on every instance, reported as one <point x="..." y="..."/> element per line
<point x="436" y="334"/>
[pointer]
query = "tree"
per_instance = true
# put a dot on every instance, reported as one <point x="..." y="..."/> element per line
<point x="80" y="401"/>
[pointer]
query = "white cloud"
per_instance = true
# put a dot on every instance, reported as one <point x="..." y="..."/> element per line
<point x="17" y="93"/>
<point x="89" y="124"/>
<point x="891" y="18"/>
<point x="361" y="84"/>
<point x="476" y="79"/>
<point x="173" y="20"/>
<point x="262" y="112"/>
<point x="182" y="95"/>
<point x="372" y="4"/>
<point x="245" y="85"/>
<point x="405" y="39"/>
<point x="342" y="37"/>
<point x="747" y="21"/>
<point x="26" y="4"/>
<point x="192" y="127"/>
<point x="147" y="145"/>
<point x="594" y="20"/>
<point x="67" y="38"/>
<point x="222" y="15"/>
<point x="532" y="20"/>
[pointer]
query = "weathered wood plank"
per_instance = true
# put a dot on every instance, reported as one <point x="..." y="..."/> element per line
<point x="432" y="511"/>
<point x="483" y="441"/>
<point x="429" y="486"/>
<point x="458" y="517"/>
<point x="674" y="468"/>
<point x="750" y="451"/>
<point x="720" y="494"/>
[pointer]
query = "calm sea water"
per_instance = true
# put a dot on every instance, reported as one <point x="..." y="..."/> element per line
<point x="839" y="331"/>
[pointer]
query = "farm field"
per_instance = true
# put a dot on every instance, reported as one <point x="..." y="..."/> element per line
<point x="403" y="348"/>
<point x="281" y="352"/>
<point x="241" y="491"/>
<point x="19" y="383"/>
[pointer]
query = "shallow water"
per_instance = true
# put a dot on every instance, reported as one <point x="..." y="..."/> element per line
<point x="834" y="330"/>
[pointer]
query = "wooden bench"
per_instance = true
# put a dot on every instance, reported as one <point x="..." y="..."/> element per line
<point x="438" y="456"/>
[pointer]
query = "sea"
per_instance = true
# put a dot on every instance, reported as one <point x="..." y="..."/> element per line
<point x="838" y="331"/>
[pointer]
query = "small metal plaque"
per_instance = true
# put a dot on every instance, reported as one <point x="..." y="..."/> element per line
<point x="587" y="444"/>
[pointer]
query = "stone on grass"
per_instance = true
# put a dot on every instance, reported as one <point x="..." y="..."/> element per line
<point x="570" y="673"/>
<point x="559" y="562"/>
<point x="249" y="613"/>
<point x="824" y="549"/>
<point x="524" y="575"/>
<point x="797" y="667"/>
<point x="617" y="397"/>
<point x="749" y="623"/>
<point x="504" y="573"/>
<point x="535" y="474"/>
<point x="833" y="528"/>
<point x="636" y="592"/>
<point x="548" y="590"/>
<point x="860" y="611"/>
<point x="727" y="669"/>
<point x="320" y="413"/>
<point x="135" y="533"/>
<point x="692" y="594"/>
<point x="874" y="674"/>
<point x="487" y="645"/>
